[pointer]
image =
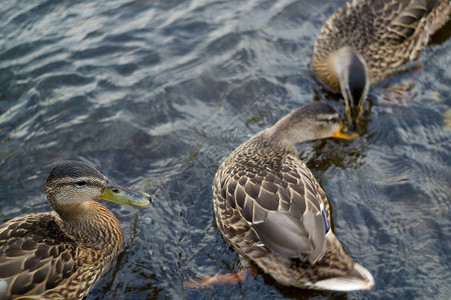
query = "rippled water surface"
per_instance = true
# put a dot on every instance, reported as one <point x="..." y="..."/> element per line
<point x="156" y="93"/>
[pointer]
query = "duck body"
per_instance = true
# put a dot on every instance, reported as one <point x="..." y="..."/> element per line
<point x="60" y="254"/>
<point x="269" y="208"/>
<point x="379" y="36"/>
<point x="40" y="255"/>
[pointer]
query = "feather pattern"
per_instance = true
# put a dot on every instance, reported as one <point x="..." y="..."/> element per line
<point x="270" y="208"/>
<point x="365" y="41"/>
<point x="60" y="255"/>
<point x="387" y="34"/>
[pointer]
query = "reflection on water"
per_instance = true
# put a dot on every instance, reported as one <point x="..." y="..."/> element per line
<point x="157" y="93"/>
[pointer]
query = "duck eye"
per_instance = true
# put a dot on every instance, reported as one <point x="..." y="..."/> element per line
<point x="330" y="120"/>
<point x="333" y="120"/>
<point x="81" y="183"/>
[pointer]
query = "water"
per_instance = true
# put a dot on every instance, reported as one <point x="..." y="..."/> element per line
<point x="156" y="93"/>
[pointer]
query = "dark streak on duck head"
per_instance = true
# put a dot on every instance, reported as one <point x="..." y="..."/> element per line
<point x="354" y="81"/>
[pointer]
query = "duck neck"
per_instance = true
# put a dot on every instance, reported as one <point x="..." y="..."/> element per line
<point x="93" y="224"/>
<point x="287" y="132"/>
<point x="279" y="140"/>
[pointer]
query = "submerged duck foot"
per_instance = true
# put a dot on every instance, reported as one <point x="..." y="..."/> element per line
<point x="227" y="279"/>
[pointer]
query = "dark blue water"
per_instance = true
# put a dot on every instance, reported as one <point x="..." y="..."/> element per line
<point x="156" y="93"/>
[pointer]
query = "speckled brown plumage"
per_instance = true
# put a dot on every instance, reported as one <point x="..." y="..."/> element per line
<point x="60" y="254"/>
<point x="386" y="33"/>
<point x="269" y="207"/>
<point x="367" y="40"/>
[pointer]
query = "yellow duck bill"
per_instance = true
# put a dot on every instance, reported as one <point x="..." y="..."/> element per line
<point x="129" y="197"/>
<point x="344" y="135"/>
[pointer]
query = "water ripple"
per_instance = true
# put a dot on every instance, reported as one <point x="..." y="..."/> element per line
<point x="157" y="93"/>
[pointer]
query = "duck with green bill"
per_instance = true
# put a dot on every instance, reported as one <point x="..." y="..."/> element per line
<point x="60" y="254"/>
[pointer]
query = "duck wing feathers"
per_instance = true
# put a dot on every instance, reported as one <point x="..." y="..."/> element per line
<point x="36" y="255"/>
<point x="286" y="208"/>
<point x="386" y="33"/>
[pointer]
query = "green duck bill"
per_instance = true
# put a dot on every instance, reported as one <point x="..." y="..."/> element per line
<point x="129" y="197"/>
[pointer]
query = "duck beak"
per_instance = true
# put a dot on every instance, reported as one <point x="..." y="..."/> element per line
<point x="341" y="135"/>
<point x="353" y="113"/>
<point x="119" y="195"/>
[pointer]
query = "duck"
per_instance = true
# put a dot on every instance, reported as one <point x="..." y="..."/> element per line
<point x="269" y="207"/>
<point x="61" y="253"/>
<point x="366" y="41"/>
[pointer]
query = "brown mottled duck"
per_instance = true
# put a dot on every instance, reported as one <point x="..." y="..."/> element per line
<point x="60" y="254"/>
<point x="270" y="209"/>
<point x="366" y="39"/>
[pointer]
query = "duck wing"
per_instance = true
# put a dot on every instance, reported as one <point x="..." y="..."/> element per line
<point x="285" y="208"/>
<point x="35" y="255"/>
